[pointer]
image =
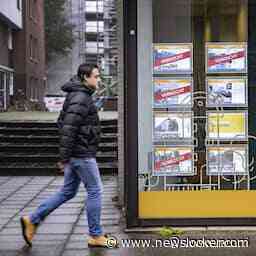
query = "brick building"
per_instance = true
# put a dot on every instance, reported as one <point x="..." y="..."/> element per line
<point x="29" y="52"/>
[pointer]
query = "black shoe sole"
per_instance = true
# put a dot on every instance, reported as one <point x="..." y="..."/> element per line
<point x="24" y="233"/>
<point x="97" y="246"/>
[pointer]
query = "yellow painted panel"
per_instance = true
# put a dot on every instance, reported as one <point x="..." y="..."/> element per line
<point x="197" y="204"/>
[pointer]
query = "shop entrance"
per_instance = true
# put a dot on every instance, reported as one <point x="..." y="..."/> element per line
<point x="195" y="89"/>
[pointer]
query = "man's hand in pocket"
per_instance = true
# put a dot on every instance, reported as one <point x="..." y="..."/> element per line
<point x="61" y="166"/>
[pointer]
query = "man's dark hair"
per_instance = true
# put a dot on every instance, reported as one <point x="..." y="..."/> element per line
<point x="85" y="69"/>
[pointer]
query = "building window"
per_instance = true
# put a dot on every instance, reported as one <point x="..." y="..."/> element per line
<point x="31" y="88"/>
<point x="94" y="47"/>
<point x="36" y="49"/>
<point x="94" y="26"/>
<point x="32" y="9"/>
<point x="94" y="6"/>
<point x="10" y="40"/>
<point x="31" y="46"/>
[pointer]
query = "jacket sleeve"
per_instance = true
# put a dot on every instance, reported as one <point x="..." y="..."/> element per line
<point x="76" y="112"/>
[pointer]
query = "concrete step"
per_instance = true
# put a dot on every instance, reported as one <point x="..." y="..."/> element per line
<point x="42" y="124"/>
<point x="41" y="169"/>
<point x="46" y="148"/>
<point x="46" y="130"/>
<point x="35" y="139"/>
<point x="46" y="157"/>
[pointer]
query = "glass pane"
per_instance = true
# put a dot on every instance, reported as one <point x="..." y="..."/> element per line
<point x="192" y="95"/>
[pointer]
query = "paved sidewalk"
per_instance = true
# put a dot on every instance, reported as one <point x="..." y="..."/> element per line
<point x="64" y="232"/>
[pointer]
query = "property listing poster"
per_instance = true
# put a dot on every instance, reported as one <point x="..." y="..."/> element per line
<point x="173" y="161"/>
<point x="226" y="161"/>
<point x="172" y="58"/>
<point x="224" y="58"/>
<point x="227" y="125"/>
<point x="226" y="91"/>
<point x="172" y="126"/>
<point x="169" y="92"/>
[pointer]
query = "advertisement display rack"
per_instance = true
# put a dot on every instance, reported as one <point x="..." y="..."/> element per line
<point x="172" y="114"/>
<point x="170" y="92"/>
<point x="173" y="161"/>
<point x="170" y="127"/>
<point x="227" y="126"/>
<point x="172" y="58"/>
<point x="227" y="160"/>
<point x="226" y="58"/>
<point x="226" y="91"/>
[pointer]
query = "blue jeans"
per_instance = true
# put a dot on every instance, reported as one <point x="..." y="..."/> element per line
<point x="77" y="170"/>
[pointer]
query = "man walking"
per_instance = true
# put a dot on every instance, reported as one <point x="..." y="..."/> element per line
<point x="79" y="127"/>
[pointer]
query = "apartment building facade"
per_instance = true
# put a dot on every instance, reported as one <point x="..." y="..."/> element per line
<point x="29" y="53"/>
<point x="10" y="25"/>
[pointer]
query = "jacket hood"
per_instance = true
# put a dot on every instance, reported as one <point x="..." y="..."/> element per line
<point x="75" y="85"/>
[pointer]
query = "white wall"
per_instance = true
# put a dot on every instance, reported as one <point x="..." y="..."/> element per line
<point x="8" y="8"/>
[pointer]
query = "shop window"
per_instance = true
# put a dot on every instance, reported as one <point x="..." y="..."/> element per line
<point x="192" y="61"/>
<point x="94" y="26"/>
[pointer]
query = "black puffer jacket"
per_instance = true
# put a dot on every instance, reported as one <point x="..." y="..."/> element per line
<point x="78" y="122"/>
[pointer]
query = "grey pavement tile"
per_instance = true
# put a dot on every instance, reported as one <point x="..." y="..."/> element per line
<point x="7" y="211"/>
<point x="109" y="222"/>
<point x="12" y="231"/>
<point x="83" y="221"/>
<point x="30" y="208"/>
<point x="23" y="198"/>
<point x="7" y="203"/>
<point x="50" y="237"/>
<point x="47" y="243"/>
<point x="8" y="253"/>
<point x="5" y="239"/>
<point x="77" y="245"/>
<point x="9" y="207"/>
<point x="103" y="223"/>
<point x="3" y="221"/>
<point x="6" y="216"/>
<point x="42" y="250"/>
<point x="77" y="253"/>
<point x="54" y="229"/>
<point x="97" y="252"/>
<point x="107" y="212"/>
<point x="16" y="218"/>
<point x="110" y="216"/>
<point x="60" y="219"/>
<point x="12" y="245"/>
<point x="12" y="201"/>
<point x="67" y="211"/>
<point x="79" y="237"/>
<point x="41" y="180"/>
<point x="73" y="205"/>
<point x="13" y="224"/>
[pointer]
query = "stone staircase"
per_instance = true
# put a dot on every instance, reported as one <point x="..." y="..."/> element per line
<point x="31" y="148"/>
